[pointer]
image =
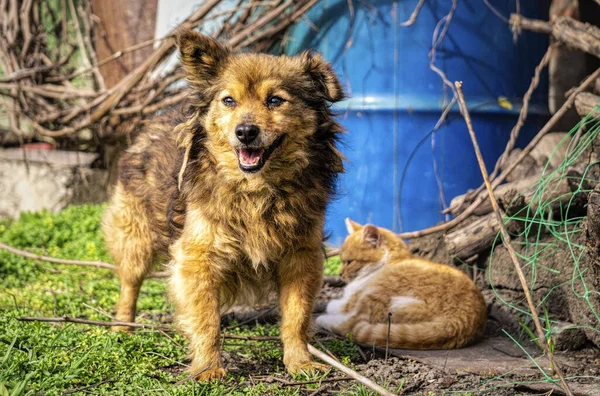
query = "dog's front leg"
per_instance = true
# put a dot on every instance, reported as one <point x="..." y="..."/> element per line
<point x="195" y="289"/>
<point x="301" y="275"/>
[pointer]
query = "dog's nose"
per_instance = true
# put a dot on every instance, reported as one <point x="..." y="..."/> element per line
<point x="246" y="133"/>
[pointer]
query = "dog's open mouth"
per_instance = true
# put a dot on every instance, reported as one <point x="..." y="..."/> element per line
<point x="252" y="159"/>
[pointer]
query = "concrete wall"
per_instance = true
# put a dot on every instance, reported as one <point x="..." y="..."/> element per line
<point x="48" y="180"/>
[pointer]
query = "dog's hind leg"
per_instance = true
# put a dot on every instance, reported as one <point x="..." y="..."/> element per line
<point x="129" y="238"/>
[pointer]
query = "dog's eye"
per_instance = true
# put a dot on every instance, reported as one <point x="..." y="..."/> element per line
<point x="229" y="102"/>
<point x="274" y="101"/>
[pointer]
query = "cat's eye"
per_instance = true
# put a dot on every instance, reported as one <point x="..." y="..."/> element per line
<point x="275" y="101"/>
<point x="229" y="101"/>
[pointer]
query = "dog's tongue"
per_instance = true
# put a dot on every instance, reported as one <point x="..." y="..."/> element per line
<point x="250" y="157"/>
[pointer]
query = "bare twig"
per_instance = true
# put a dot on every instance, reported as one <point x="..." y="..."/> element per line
<point x="327" y="351"/>
<point x="502" y="176"/>
<point x="334" y="281"/>
<point x="68" y="319"/>
<point x="81" y="263"/>
<point x="507" y="240"/>
<point x="514" y="133"/>
<point x="298" y="383"/>
<point x="33" y="256"/>
<point x="387" y="342"/>
<point x="495" y="11"/>
<point x="414" y="15"/>
<point x="192" y="376"/>
<point x="42" y="90"/>
<point x="106" y="381"/>
<point x="575" y="34"/>
<point x="348" y="371"/>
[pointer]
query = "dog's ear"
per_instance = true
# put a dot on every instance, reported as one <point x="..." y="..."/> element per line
<point x="323" y="76"/>
<point x="201" y="56"/>
<point x="352" y="226"/>
<point x="371" y="235"/>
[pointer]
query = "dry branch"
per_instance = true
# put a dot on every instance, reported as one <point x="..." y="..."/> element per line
<point x="505" y="172"/>
<point x="543" y="341"/>
<point x="348" y="371"/>
<point x="514" y="133"/>
<point x="485" y="207"/>
<point x="68" y="319"/>
<point x="39" y="82"/>
<point x="547" y="155"/>
<point x="480" y="235"/>
<point x="575" y="34"/>
<point x="81" y="263"/>
<point x="334" y="281"/>
<point x="413" y="16"/>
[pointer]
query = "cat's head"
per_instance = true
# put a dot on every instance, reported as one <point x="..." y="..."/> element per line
<point x="366" y="248"/>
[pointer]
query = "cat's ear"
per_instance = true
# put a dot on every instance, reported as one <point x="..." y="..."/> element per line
<point x="352" y="226"/>
<point x="371" y="235"/>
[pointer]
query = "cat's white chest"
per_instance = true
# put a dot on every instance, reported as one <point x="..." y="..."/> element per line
<point x="352" y="288"/>
<point x="336" y="314"/>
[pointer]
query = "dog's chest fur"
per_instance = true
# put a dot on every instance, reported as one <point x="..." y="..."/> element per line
<point x="257" y="226"/>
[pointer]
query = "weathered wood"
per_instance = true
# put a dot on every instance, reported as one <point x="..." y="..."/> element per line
<point x="549" y="152"/>
<point x="479" y="235"/>
<point x="474" y="238"/>
<point x="586" y="102"/>
<point x="486" y="207"/>
<point x="592" y="223"/>
<point x="526" y="168"/>
<point x="575" y="34"/>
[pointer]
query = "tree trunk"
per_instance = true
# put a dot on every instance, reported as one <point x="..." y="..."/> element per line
<point x="120" y="25"/>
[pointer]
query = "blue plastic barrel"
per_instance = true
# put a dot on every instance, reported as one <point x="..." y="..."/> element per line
<point x="399" y="174"/>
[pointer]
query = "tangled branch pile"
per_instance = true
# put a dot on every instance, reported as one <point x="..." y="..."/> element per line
<point x="51" y="81"/>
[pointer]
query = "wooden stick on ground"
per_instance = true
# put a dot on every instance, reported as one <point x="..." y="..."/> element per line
<point x="68" y="319"/>
<point x="81" y="263"/>
<point x="506" y="240"/>
<point x="348" y="371"/>
<point x="334" y="281"/>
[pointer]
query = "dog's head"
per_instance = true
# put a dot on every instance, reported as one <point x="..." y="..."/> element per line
<point x="260" y="112"/>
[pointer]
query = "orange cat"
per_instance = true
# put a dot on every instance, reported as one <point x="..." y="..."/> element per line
<point x="432" y="306"/>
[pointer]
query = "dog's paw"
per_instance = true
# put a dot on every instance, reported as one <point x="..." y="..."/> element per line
<point x="124" y="329"/>
<point x="307" y="366"/>
<point x="210" y="374"/>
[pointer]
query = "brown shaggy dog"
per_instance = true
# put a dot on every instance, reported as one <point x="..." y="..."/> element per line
<point x="235" y="194"/>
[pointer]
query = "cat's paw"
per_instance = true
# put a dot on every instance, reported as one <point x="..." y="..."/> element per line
<point x="321" y="321"/>
<point x="330" y="322"/>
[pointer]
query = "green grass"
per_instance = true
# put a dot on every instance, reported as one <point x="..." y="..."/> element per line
<point x="54" y="358"/>
<point x="332" y="265"/>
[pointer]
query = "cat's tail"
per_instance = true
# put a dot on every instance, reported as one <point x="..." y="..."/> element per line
<point x="435" y="334"/>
